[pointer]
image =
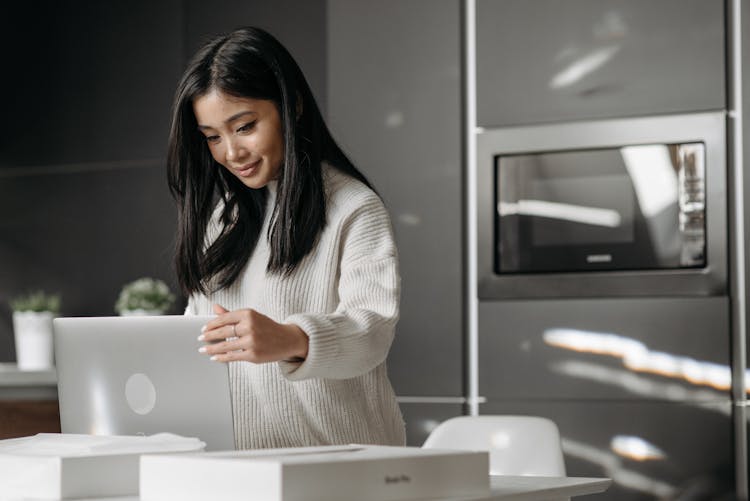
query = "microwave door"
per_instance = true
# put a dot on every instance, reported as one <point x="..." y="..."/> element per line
<point x="588" y="210"/>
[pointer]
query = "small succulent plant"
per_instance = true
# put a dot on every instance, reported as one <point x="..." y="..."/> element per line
<point x="146" y="294"/>
<point x="36" y="301"/>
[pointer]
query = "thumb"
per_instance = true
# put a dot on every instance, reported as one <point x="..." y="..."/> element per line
<point x="219" y="309"/>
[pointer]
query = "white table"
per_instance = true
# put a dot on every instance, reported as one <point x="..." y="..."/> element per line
<point x="527" y="488"/>
<point x="509" y="488"/>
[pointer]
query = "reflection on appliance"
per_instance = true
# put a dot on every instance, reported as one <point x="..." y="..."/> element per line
<point x="668" y="183"/>
<point x="636" y="448"/>
<point x="615" y="469"/>
<point x="638" y="357"/>
<point x="642" y="386"/>
<point x="584" y="65"/>
<point x="653" y="175"/>
<point x="585" y="61"/>
<point x="541" y="208"/>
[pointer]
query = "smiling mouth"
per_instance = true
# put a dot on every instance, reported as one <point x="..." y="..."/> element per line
<point x="249" y="169"/>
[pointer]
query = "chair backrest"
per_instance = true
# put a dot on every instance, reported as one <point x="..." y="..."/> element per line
<point x="518" y="445"/>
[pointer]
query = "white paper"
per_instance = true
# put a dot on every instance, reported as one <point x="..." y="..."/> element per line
<point x="72" y="445"/>
<point x="58" y="466"/>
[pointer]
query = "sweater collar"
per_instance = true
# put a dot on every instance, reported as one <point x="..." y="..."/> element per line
<point x="272" y="187"/>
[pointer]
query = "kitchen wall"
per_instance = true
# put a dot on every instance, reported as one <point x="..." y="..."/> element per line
<point x="83" y="201"/>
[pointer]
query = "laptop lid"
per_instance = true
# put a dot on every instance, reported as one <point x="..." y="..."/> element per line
<point x="141" y="375"/>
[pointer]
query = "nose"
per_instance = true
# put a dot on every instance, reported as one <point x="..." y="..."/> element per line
<point x="234" y="151"/>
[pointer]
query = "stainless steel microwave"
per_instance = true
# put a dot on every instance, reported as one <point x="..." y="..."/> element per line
<point x="622" y="207"/>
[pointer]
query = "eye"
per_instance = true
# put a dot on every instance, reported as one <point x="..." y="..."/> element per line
<point x="212" y="139"/>
<point x="248" y="126"/>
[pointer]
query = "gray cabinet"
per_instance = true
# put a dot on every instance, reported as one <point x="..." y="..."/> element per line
<point x="650" y="450"/>
<point x="561" y="60"/>
<point x="602" y="349"/>
<point x="394" y="105"/>
<point x="639" y="387"/>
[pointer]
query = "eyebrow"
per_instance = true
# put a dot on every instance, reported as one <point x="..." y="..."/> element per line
<point x="230" y="119"/>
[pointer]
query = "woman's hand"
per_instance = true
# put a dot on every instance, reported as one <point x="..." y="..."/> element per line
<point x="251" y="336"/>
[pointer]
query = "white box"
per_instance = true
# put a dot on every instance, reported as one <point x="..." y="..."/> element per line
<point x="60" y="466"/>
<point x="333" y="473"/>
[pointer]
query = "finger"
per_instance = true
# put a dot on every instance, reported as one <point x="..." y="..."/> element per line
<point x="221" y="347"/>
<point x="228" y="331"/>
<point x="219" y="309"/>
<point x="228" y="318"/>
<point x="232" y="356"/>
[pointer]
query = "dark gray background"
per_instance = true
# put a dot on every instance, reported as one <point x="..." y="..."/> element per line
<point x="87" y="90"/>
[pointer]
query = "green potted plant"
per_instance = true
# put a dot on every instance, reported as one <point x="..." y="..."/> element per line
<point x="32" y="328"/>
<point x="145" y="296"/>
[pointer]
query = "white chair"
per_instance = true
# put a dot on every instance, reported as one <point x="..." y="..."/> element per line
<point x="518" y="445"/>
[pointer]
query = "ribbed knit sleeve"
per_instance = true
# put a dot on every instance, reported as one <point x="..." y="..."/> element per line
<point x="356" y="337"/>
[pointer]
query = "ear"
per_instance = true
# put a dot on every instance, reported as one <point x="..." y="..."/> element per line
<point x="299" y="105"/>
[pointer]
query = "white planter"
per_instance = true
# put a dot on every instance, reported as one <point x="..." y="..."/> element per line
<point x="34" y="345"/>
<point x="140" y="313"/>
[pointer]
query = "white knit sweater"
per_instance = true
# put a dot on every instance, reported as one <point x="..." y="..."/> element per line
<point x="345" y="296"/>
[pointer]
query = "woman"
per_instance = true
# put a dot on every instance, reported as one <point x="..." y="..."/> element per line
<point x="297" y="259"/>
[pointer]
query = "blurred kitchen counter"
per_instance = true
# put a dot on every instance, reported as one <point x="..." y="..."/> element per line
<point x="28" y="402"/>
<point x="16" y="384"/>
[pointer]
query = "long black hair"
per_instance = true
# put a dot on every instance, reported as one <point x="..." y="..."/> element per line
<point x="250" y="63"/>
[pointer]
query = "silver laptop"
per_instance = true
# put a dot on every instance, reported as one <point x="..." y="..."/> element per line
<point x="140" y="376"/>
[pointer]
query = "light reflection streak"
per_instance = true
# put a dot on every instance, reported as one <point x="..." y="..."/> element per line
<point x="653" y="175"/>
<point x="644" y="387"/>
<point x="579" y="214"/>
<point x="636" y="356"/>
<point x="614" y="469"/>
<point x="635" y="448"/>
<point x="100" y="406"/>
<point x="584" y="65"/>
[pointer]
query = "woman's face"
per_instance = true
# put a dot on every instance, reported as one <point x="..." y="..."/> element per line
<point x="243" y="134"/>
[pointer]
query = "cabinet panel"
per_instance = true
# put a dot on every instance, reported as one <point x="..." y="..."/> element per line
<point x="394" y="104"/>
<point x="557" y="60"/>
<point x="655" y="349"/>
<point x="650" y="450"/>
<point x="21" y="418"/>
